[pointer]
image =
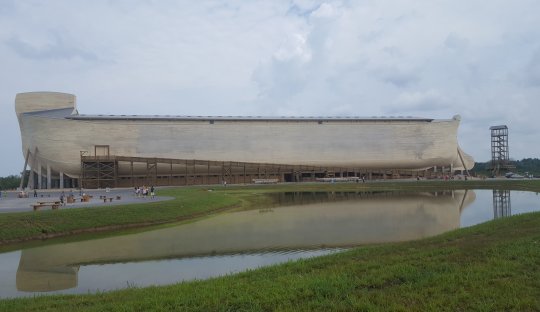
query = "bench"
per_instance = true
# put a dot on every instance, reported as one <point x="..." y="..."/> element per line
<point x="83" y="198"/>
<point x="52" y="204"/>
<point x="105" y="199"/>
<point x="339" y="179"/>
<point x="265" y="181"/>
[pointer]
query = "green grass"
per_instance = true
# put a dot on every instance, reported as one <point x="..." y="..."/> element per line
<point x="193" y="202"/>
<point x="188" y="202"/>
<point x="494" y="266"/>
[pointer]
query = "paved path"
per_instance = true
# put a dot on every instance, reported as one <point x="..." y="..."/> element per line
<point x="14" y="204"/>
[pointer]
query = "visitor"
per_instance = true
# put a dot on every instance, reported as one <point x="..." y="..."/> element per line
<point x="35" y="193"/>
<point x="152" y="192"/>
<point x="62" y="199"/>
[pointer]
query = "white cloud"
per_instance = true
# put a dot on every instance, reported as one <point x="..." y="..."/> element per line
<point x="426" y="101"/>
<point x="293" y="47"/>
<point x="325" y="10"/>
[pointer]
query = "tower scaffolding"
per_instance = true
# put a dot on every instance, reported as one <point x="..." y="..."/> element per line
<point x="500" y="156"/>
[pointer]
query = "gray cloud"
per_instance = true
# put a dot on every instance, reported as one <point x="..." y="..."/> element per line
<point x="425" y="102"/>
<point x="298" y="57"/>
<point x="532" y="70"/>
<point x="54" y="50"/>
<point x="397" y="77"/>
<point x="456" y="42"/>
<point x="7" y="8"/>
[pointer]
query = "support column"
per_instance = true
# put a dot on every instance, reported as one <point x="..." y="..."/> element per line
<point x="30" y="184"/>
<point x="463" y="162"/>
<point x="40" y="175"/>
<point x="49" y="178"/>
<point x="186" y="173"/>
<point x="208" y="173"/>
<point x="33" y="170"/>
<point x="156" y="181"/>
<point x="193" y="170"/>
<point x="24" y="169"/>
<point x="61" y="180"/>
<point x="170" y="173"/>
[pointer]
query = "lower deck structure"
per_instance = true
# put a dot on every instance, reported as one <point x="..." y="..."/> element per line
<point x="123" y="171"/>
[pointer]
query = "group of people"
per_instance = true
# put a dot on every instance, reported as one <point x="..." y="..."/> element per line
<point x="143" y="191"/>
<point x="64" y="198"/>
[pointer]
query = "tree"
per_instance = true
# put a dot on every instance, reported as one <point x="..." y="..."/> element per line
<point x="10" y="182"/>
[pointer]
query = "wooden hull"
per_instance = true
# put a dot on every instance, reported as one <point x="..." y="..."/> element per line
<point x="50" y="123"/>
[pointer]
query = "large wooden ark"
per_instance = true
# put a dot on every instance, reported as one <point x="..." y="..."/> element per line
<point x="59" y="144"/>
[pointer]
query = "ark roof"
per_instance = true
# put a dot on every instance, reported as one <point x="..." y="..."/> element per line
<point x="74" y="115"/>
<point x="244" y="118"/>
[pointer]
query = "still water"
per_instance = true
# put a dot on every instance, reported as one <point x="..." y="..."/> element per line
<point x="299" y="225"/>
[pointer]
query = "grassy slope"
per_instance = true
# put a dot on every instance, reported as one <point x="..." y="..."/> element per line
<point x="489" y="267"/>
<point x="192" y="202"/>
<point x="187" y="202"/>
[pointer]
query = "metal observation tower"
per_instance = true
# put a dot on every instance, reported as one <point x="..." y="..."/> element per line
<point x="500" y="157"/>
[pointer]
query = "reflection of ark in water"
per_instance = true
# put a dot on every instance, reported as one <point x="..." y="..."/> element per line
<point x="377" y="217"/>
<point x="54" y="134"/>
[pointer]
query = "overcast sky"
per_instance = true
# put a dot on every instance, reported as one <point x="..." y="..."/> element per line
<point x="434" y="59"/>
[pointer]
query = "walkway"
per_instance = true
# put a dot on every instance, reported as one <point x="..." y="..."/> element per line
<point x="127" y="195"/>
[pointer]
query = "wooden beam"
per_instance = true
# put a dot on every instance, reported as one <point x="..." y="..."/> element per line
<point x="24" y="169"/>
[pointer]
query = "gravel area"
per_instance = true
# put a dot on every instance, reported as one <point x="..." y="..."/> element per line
<point x="9" y="202"/>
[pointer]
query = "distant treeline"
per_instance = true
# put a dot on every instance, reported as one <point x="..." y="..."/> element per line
<point x="10" y="182"/>
<point x="530" y="165"/>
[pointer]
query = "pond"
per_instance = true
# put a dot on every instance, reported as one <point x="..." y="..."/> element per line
<point x="300" y="225"/>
